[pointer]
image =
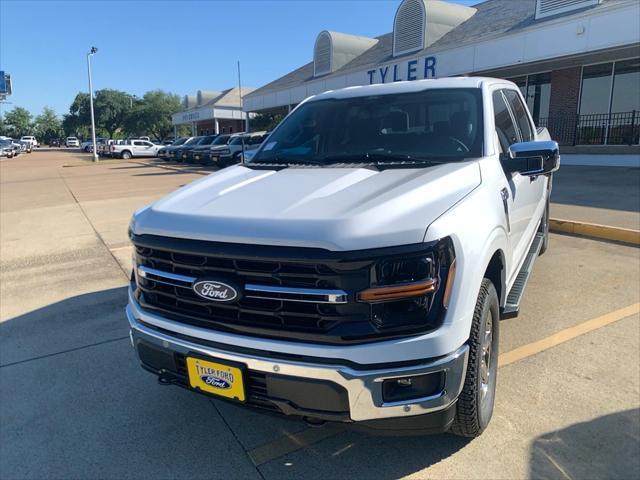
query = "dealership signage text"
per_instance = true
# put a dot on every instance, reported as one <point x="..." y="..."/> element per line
<point x="416" y="69"/>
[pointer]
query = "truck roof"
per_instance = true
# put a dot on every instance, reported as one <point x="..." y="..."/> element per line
<point x="408" y="87"/>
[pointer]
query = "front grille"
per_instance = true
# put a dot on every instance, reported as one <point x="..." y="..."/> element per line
<point x="272" y="317"/>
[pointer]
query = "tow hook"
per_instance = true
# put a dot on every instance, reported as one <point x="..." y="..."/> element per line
<point x="314" y="422"/>
<point x="165" y="379"/>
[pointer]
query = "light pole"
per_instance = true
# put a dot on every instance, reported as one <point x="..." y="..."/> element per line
<point x="93" y="51"/>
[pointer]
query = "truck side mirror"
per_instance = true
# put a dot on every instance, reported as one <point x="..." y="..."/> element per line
<point x="532" y="158"/>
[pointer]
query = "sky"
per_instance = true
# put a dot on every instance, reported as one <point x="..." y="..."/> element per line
<point x="176" y="46"/>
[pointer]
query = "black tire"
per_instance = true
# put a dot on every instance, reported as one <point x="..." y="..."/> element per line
<point x="544" y="228"/>
<point x="474" y="407"/>
<point x="126" y="155"/>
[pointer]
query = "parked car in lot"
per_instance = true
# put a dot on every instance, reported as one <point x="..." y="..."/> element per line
<point x="181" y="153"/>
<point x="215" y="152"/>
<point x="134" y="148"/>
<point x="165" y="152"/>
<point x="72" y="142"/>
<point x="188" y="153"/>
<point x="244" y="142"/>
<point x="87" y="146"/>
<point x="175" y="152"/>
<point x="357" y="268"/>
<point x="7" y="148"/>
<point x="202" y="154"/>
<point x="54" y="142"/>
<point x="31" y="140"/>
<point x="26" y="146"/>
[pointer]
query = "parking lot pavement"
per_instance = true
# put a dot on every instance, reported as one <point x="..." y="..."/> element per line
<point x="75" y="404"/>
<point x="601" y="195"/>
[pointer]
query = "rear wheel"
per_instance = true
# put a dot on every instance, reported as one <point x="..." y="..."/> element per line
<point x="126" y="154"/>
<point x="475" y="403"/>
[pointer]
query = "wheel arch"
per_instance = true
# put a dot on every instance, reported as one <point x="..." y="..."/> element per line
<point x="496" y="272"/>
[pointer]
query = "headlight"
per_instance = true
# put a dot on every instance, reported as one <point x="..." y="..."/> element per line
<point x="408" y="292"/>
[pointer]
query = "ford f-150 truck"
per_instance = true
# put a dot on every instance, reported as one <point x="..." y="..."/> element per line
<point x="134" y="148"/>
<point x="356" y="268"/>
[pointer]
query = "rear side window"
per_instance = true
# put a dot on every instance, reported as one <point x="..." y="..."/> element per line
<point x="505" y="128"/>
<point x="520" y="114"/>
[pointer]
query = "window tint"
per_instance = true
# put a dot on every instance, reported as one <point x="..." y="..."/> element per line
<point x="507" y="132"/>
<point x="520" y="113"/>
<point x="434" y="123"/>
<point x="140" y="144"/>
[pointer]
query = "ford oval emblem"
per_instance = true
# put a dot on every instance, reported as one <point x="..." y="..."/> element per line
<point x="215" y="291"/>
<point x="215" y="381"/>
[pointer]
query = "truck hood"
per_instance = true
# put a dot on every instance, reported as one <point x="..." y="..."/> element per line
<point x="331" y="208"/>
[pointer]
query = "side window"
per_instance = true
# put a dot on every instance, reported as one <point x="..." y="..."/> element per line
<point x="520" y="113"/>
<point x="138" y="144"/>
<point x="505" y="128"/>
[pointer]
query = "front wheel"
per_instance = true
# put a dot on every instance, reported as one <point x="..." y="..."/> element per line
<point x="475" y="403"/>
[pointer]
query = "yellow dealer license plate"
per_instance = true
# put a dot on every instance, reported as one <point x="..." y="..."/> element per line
<point x="217" y="378"/>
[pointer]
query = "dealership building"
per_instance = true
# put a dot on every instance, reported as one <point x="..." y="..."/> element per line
<point x="577" y="62"/>
<point x="208" y="112"/>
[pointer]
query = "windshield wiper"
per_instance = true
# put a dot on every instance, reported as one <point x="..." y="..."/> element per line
<point x="282" y="162"/>
<point x="383" y="159"/>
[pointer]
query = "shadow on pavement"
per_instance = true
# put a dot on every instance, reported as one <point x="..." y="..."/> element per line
<point x="606" y="447"/>
<point x="614" y="188"/>
<point x="74" y="403"/>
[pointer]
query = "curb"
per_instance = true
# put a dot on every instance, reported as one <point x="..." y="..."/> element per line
<point x="594" y="230"/>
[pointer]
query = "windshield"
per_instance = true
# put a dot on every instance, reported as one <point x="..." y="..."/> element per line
<point x="221" y="140"/>
<point x="193" y="141"/>
<point x="180" y="141"/>
<point x="207" y="140"/>
<point x="237" y="140"/>
<point x="436" y="124"/>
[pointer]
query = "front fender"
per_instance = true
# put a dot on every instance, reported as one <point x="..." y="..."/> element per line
<point x="478" y="230"/>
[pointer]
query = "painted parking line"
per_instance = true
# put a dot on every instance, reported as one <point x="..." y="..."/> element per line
<point x="293" y="442"/>
<point x="567" y="334"/>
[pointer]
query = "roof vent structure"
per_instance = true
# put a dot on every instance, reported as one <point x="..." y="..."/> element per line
<point x="547" y="8"/>
<point x="333" y="50"/>
<point x="420" y="23"/>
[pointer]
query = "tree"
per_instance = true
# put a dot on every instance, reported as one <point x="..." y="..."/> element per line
<point x="77" y="123"/>
<point x="111" y="109"/>
<point x="18" y="122"/>
<point x="152" y="114"/>
<point x="47" y="125"/>
<point x="266" y="121"/>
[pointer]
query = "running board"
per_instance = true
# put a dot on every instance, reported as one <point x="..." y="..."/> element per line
<point x="512" y="307"/>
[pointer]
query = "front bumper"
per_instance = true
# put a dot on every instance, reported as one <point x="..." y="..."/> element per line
<point x="363" y="387"/>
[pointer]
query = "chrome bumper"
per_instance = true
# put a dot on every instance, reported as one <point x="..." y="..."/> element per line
<point x="364" y="387"/>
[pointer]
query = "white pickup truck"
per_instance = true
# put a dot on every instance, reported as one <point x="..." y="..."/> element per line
<point x="356" y="269"/>
<point x="134" y="148"/>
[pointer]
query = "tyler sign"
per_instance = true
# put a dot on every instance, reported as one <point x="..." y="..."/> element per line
<point x="416" y="69"/>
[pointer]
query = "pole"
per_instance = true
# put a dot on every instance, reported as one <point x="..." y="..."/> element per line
<point x="241" y="112"/>
<point x="93" y="120"/>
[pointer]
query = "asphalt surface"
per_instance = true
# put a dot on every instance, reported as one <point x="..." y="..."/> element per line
<point x="75" y="404"/>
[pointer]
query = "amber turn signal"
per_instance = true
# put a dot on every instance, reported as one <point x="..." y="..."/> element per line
<point x="398" y="292"/>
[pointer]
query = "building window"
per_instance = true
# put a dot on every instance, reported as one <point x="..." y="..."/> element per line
<point x="596" y="88"/>
<point x="610" y="104"/>
<point x="539" y="95"/>
<point x="536" y="89"/>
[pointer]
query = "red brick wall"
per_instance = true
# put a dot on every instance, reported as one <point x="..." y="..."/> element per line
<point x="563" y="108"/>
